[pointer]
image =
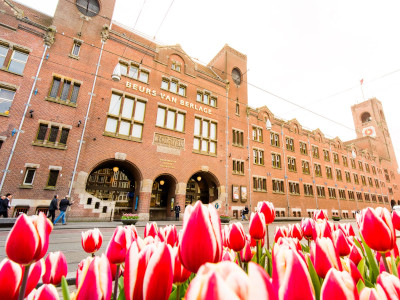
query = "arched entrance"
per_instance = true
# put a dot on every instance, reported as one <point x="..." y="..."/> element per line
<point x="118" y="181"/>
<point x="202" y="186"/>
<point x="392" y="202"/>
<point x="162" y="197"/>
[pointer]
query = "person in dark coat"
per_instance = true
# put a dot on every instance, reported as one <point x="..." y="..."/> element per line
<point x="5" y="205"/>
<point x="64" y="203"/>
<point x="52" y="208"/>
<point x="177" y="211"/>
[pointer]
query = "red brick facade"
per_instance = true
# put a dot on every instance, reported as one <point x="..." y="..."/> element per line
<point x="236" y="162"/>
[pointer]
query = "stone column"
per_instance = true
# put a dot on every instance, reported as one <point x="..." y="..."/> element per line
<point x="144" y="199"/>
<point x="180" y="197"/>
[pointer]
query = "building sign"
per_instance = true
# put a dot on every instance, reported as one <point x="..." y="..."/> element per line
<point x="168" y="144"/>
<point x="369" y="131"/>
<point x="243" y="193"/>
<point x="235" y="193"/>
<point x="168" y="98"/>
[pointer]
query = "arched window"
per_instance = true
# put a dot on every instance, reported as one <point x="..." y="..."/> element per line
<point x="89" y="8"/>
<point x="366" y="117"/>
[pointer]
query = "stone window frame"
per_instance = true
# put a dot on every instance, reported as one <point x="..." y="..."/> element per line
<point x="258" y="136"/>
<point x="45" y="142"/>
<point x="276" y="154"/>
<point x="79" y="43"/>
<point x="8" y="87"/>
<point x="177" y="112"/>
<point x="329" y="174"/>
<point x="237" y="135"/>
<point x="200" y="95"/>
<point x="256" y="181"/>
<point x="342" y="194"/>
<point x="297" y="187"/>
<point x="303" y="150"/>
<point x="53" y="168"/>
<point x="315" y="151"/>
<point x="179" y="85"/>
<point x="308" y="189"/>
<point x="139" y="68"/>
<point x="289" y="142"/>
<point x="274" y="139"/>
<point x="238" y="163"/>
<point x="332" y="192"/>
<point x="11" y="46"/>
<point x="320" y="191"/>
<point x="319" y="174"/>
<point x="278" y="186"/>
<point x="63" y="79"/>
<point x="29" y="167"/>
<point x="208" y="138"/>
<point x="292" y="166"/>
<point x="307" y="172"/>
<point x="259" y="158"/>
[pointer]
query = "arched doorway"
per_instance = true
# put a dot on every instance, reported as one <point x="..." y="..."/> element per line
<point x="392" y="202"/>
<point x="201" y="186"/>
<point x="162" y="198"/>
<point x="115" y="180"/>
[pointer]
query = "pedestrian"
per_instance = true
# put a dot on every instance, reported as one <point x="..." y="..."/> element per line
<point x="245" y="211"/>
<point x="3" y="207"/>
<point x="64" y="203"/>
<point x="52" y="208"/>
<point x="177" y="211"/>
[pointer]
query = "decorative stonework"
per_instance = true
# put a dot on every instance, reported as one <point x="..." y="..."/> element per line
<point x="181" y="188"/>
<point x="205" y="168"/>
<point x="49" y="38"/>
<point x="146" y="185"/>
<point x="105" y="33"/>
<point x="120" y="156"/>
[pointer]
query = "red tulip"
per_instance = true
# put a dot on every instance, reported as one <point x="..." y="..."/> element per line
<point x="290" y="276"/>
<point x="95" y="280"/>
<point x="280" y="232"/>
<point x="322" y="228"/>
<point x="28" y="240"/>
<point x="92" y="240"/>
<point x="396" y="219"/>
<point x="180" y="273"/>
<point x="171" y="235"/>
<point x="376" y="227"/>
<point x="10" y="278"/>
<point x="257" y="226"/>
<point x="201" y="240"/>
<point x="228" y="254"/>
<point x="390" y="285"/>
<point x="119" y="245"/>
<point x="295" y="231"/>
<point x="225" y="235"/>
<point x="237" y="237"/>
<point x="46" y="292"/>
<point x="347" y="229"/>
<point x="293" y="243"/>
<point x="253" y="242"/>
<point x="151" y="229"/>
<point x="338" y="285"/>
<point x="246" y="255"/>
<point x="355" y="254"/>
<point x="325" y="256"/>
<point x="268" y="210"/>
<point x="307" y="226"/>
<point x="351" y="268"/>
<point x="56" y="267"/>
<point x="148" y="273"/>
<point x="260" y="286"/>
<point x="340" y="242"/>
<point x="320" y="214"/>
<point x="373" y="294"/>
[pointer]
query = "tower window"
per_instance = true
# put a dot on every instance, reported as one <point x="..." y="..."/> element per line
<point x="89" y="8"/>
<point x="366" y="117"/>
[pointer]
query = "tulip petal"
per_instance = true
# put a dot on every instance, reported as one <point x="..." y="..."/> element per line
<point x="10" y="278"/>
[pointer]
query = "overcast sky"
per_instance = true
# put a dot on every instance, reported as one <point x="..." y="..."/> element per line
<point x="311" y="52"/>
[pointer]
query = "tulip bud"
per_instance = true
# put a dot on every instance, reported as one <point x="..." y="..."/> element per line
<point x="201" y="239"/>
<point x="340" y="242"/>
<point x="119" y="245"/>
<point x="56" y="267"/>
<point x="325" y="256"/>
<point x="81" y="270"/>
<point x="268" y="210"/>
<point x="46" y="292"/>
<point x="396" y="219"/>
<point x="229" y="255"/>
<point x="237" y="237"/>
<point x="295" y="231"/>
<point x="171" y="235"/>
<point x="225" y="236"/>
<point x="338" y="285"/>
<point x="151" y="230"/>
<point x="92" y="240"/>
<point x="347" y="229"/>
<point x="180" y="273"/>
<point x="307" y="226"/>
<point x="28" y="240"/>
<point x="280" y="232"/>
<point x="373" y="294"/>
<point x="320" y="214"/>
<point x="10" y="278"/>
<point x="355" y="254"/>
<point x="260" y="286"/>
<point x="390" y="285"/>
<point x="376" y="227"/>
<point x="351" y="268"/>
<point x="246" y="255"/>
<point x="257" y="226"/>
<point x="322" y="229"/>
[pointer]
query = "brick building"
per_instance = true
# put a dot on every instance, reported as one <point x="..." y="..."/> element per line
<point x="91" y="109"/>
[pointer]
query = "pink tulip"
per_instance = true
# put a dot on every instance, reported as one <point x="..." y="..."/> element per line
<point x="322" y="228"/>
<point x="338" y="285"/>
<point x="119" y="245"/>
<point x="268" y="210"/>
<point x="373" y="294"/>
<point x="246" y="255"/>
<point x="149" y="273"/>
<point x="396" y="219"/>
<point x="225" y="235"/>
<point x="82" y="267"/>
<point x="201" y="240"/>
<point x="293" y="243"/>
<point x="237" y="237"/>
<point x="257" y="226"/>
<point x="376" y="227"/>
<point x="92" y="240"/>
<point x="180" y="273"/>
<point x="290" y="276"/>
<point x="355" y="254"/>
<point x="325" y="256"/>
<point x="46" y="292"/>
<point x="151" y="229"/>
<point x="320" y="214"/>
<point x="260" y="286"/>
<point x="390" y="285"/>
<point x="295" y="231"/>
<point x="341" y="243"/>
<point x="280" y="232"/>
<point x="56" y="267"/>
<point x="171" y="235"/>
<point x="95" y="280"/>
<point x="228" y="254"/>
<point x="307" y="226"/>
<point x="28" y="240"/>
<point x="10" y="278"/>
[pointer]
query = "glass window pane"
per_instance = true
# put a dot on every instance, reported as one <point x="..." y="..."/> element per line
<point x="206" y="98"/>
<point x="42" y="132"/>
<point x="55" y="87"/>
<point x="160" y="117"/>
<point x="205" y="129"/>
<point x="53" y="134"/>
<point x="144" y="76"/>
<point x="213" y="102"/>
<point x="164" y="84"/>
<point x="75" y="92"/>
<point x="21" y="56"/>
<point x="53" y="178"/>
<point x="124" y="128"/>
<point x="16" y="67"/>
<point x="76" y="49"/>
<point x="196" y="126"/>
<point x="204" y="145"/>
<point x="123" y="68"/>
<point x="111" y="125"/>
<point x="139" y="111"/>
<point x="64" y="136"/>
<point x="182" y="91"/>
<point x="30" y="174"/>
<point x="171" y="119"/>
<point x="6" y="97"/>
<point x="196" y="144"/>
<point x="199" y="97"/>
<point x="173" y="87"/>
<point x="3" y="54"/>
<point x="213" y="147"/>
<point x="127" y="108"/>
<point x="213" y="131"/>
<point x="5" y="106"/>
<point x="65" y="90"/>
<point x="133" y="72"/>
<point x="115" y="104"/>
<point x="137" y="130"/>
<point x="180" y="122"/>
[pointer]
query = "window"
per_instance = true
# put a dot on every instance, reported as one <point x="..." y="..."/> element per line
<point x="373" y="197"/>
<point x="367" y="167"/>
<point x="3" y="55"/>
<point x="390" y="190"/>
<point x="258" y="156"/>
<point x="318" y="171"/>
<point x="6" y="99"/>
<point x="315" y="151"/>
<point x="276" y="160"/>
<point x="292" y="164"/>
<point x="76" y="48"/>
<point x="328" y="172"/>
<point x="29" y="176"/>
<point x="320" y="191"/>
<point x="351" y="195"/>
<point x="134" y="71"/>
<point x="238" y="167"/>
<point x="305" y="165"/>
<point x="53" y="176"/>
<point x="289" y="144"/>
<point x="326" y="155"/>
<point x="89" y="8"/>
<point x="366" y="197"/>
<point x="274" y="139"/>
<point x="206" y="98"/>
<point x="125" y="117"/>
<point x="173" y="86"/>
<point x="355" y="176"/>
<point x="64" y="91"/>
<point x="339" y="175"/>
<point x="336" y="158"/>
<point x="373" y="170"/>
<point x="353" y="163"/>
<point x="237" y="110"/>
<point x="308" y="189"/>
<point x="360" y="166"/>
<point x="370" y="181"/>
<point x="344" y="159"/>
<point x="52" y="135"/>
<point x="17" y="62"/>
<point x="294" y="188"/>
<point x="383" y="184"/>
<point x="303" y="148"/>
<point x="1" y="143"/>
<point x="170" y="119"/>
<point x="348" y="177"/>
<point x="342" y="194"/>
<point x="380" y="199"/>
<point x="205" y="136"/>
<point x="278" y="186"/>
<point x="259" y="184"/>
<point x="257" y="134"/>
<point x="237" y="136"/>
<point x="386" y="175"/>
<point x="176" y="66"/>
<point x="359" y="196"/>
<point x="332" y="192"/>
<point x="364" y="182"/>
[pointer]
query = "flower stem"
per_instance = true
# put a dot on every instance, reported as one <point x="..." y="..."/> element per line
<point x="258" y="252"/>
<point x="24" y="282"/>
<point x="308" y="244"/>
<point x="267" y="236"/>
<point x="239" y="259"/>
<point x="93" y="254"/>
<point x="116" y="283"/>
<point x="178" y="292"/>
<point x="385" y="262"/>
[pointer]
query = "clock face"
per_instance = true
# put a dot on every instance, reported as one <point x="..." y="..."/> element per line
<point x="236" y="76"/>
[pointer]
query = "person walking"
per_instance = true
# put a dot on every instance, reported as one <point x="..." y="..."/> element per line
<point x="52" y="208"/>
<point x="177" y="211"/>
<point x="3" y="207"/>
<point x="64" y="203"/>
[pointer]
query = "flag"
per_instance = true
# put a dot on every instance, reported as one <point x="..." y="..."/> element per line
<point x="361" y="81"/>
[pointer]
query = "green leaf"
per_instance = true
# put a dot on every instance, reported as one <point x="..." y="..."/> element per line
<point x="64" y="287"/>
<point x="172" y="296"/>
<point x="369" y="284"/>
<point x="268" y="267"/>
<point x="121" y="295"/>
<point x="360" y="285"/>
<point x="394" y="267"/>
<point x="305" y="248"/>
<point x="314" y="278"/>
<point x="361" y="267"/>
<point x="262" y="260"/>
<point x="371" y="261"/>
